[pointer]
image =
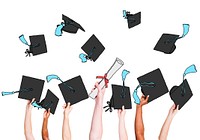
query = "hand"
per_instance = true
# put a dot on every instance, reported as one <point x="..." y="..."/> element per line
<point x="101" y="92"/>
<point x="143" y="100"/>
<point x="173" y="110"/>
<point x="29" y="104"/>
<point x="67" y="109"/>
<point x="121" y="113"/>
<point x="46" y="114"/>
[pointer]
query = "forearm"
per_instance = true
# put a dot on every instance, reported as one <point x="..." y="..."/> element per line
<point x="45" y="133"/>
<point x="96" y="130"/>
<point x="66" y="133"/>
<point x="122" y="130"/>
<point x="139" y="126"/>
<point x="165" y="128"/>
<point x="28" y="126"/>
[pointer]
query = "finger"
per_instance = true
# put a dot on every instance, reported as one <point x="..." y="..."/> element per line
<point x="49" y="110"/>
<point x="123" y="108"/>
<point x="32" y="100"/>
<point x="64" y="106"/>
<point x="147" y="98"/>
<point x="68" y="104"/>
<point x="97" y="86"/>
<point x="173" y="107"/>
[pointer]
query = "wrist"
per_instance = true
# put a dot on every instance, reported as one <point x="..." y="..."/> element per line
<point x="138" y="106"/>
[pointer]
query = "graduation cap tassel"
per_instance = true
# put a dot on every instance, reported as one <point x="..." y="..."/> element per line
<point x="124" y="74"/>
<point x="185" y="30"/>
<point x="37" y="105"/>
<point x="53" y="76"/>
<point x="125" y="13"/>
<point x="135" y="96"/>
<point x="58" y="31"/>
<point x="188" y="70"/>
<point x="13" y="92"/>
<point x="145" y="84"/>
<point x="85" y="57"/>
<point x="23" y="40"/>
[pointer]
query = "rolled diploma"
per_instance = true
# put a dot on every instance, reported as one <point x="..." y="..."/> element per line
<point x="113" y="69"/>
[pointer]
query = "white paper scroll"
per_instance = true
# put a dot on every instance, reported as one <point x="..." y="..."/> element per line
<point x="113" y="69"/>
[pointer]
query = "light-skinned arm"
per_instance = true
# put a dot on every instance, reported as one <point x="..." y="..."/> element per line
<point x="96" y="130"/>
<point x="165" y="128"/>
<point x="66" y="132"/>
<point x="27" y="122"/>
<point x="122" y="129"/>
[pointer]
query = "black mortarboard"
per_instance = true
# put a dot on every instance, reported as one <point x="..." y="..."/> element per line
<point x="181" y="94"/>
<point x="50" y="101"/>
<point x="70" y="25"/>
<point x="153" y="84"/>
<point x="37" y="44"/>
<point x="132" y="19"/>
<point x="73" y="90"/>
<point x="93" y="48"/>
<point x="166" y="43"/>
<point x="121" y="97"/>
<point x="31" y="88"/>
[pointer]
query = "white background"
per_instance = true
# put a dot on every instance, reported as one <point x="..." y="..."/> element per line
<point x="134" y="46"/>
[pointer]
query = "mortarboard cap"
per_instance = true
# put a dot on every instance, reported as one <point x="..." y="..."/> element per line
<point x="73" y="90"/>
<point x="132" y="19"/>
<point x="70" y="25"/>
<point x="93" y="48"/>
<point x="31" y="88"/>
<point x="166" y="43"/>
<point x="37" y="44"/>
<point x="121" y="97"/>
<point x="153" y="84"/>
<point x="181" y="94"/>
<point x="50" y="101"/>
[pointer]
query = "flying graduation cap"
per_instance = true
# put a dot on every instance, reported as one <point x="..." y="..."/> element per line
<point x="30" y="88"/>
<point x="132" y="19"/>
<point x="182" y="93"/>
<point x="152" y="84"/>
<point x="49" y="102"/>
<point x="166" y="43"/>
<point x="37" y="44"/>
<point x="73" y="90"/>
<point x="93" y="49"/>
<point x="120" y="96"/>
<point x="68" y="25"/>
